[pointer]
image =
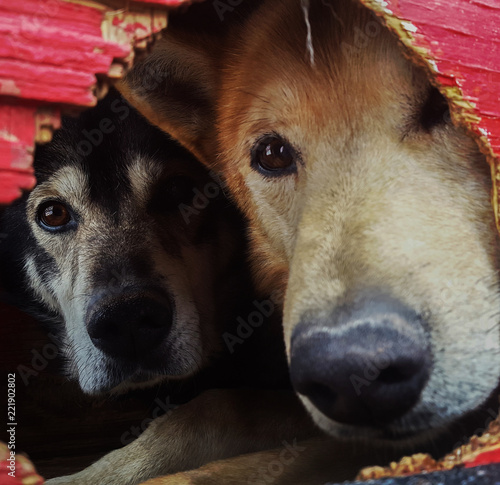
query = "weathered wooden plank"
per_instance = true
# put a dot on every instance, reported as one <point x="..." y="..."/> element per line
<point x="17" y="136"/>
<point x="50" y="52"/>
<point x="53" y="55"/>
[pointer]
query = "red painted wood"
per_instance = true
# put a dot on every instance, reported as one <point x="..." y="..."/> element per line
<point x="50" y="52"/>
<point x="17" y="136"/>
<point x="485" y="458"/>
<point x="53" y="53"/>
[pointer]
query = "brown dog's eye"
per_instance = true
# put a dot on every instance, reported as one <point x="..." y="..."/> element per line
<point x="273" y="156"/>
<point x="53" y="215"/>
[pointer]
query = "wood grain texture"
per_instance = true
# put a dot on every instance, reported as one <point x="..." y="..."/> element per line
<point x="50" y="54"/>
<point x="51" y="51"/>
<point x="17" y="134"/>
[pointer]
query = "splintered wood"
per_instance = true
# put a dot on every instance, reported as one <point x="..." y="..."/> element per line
<point x="479" y="450"/>
<point x="61" y="54"/>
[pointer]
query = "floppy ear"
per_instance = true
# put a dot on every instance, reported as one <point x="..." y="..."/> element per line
<point x="175" y="88"/>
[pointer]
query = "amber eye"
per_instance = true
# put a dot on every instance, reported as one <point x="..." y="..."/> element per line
<point x="53" y="215"/>
<point x="273" y="156"/>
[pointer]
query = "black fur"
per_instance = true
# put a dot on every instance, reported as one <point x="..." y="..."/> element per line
<point x="103" y="141"/>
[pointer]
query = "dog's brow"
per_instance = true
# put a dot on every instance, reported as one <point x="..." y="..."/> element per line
<point x="141" y="172"/>
<point x="70" y="183"/>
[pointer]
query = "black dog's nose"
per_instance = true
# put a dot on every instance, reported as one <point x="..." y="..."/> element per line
<point x="367" y="365"/>
<point x="129" y="329"/>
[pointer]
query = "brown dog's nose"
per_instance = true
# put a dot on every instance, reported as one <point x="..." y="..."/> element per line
<point x="367" y="365"/>
<point x="129" y="329"/>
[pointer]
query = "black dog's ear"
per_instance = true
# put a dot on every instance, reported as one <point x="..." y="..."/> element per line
<point x="175" y="88"/>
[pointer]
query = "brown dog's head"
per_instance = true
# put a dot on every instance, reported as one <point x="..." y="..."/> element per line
<point x="368" y="207"/>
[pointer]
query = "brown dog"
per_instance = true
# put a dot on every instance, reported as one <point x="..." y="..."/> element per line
<point x="369" y="211"/>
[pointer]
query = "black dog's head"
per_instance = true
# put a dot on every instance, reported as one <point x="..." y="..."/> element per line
<point x="122" y="246"/>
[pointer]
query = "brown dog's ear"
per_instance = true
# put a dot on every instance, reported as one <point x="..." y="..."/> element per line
<point x="175" y="88"/>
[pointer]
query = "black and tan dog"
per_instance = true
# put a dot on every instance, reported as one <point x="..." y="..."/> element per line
<point x="369" y="211"/>
<point x="128" y="242"/>
<point x="130" y="252"/>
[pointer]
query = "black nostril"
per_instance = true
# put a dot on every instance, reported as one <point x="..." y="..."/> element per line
<point x="368" y="372"/>
<point x="148" y="322"/>
<point x="129" y="328"/>
<point x="395" y="374"/>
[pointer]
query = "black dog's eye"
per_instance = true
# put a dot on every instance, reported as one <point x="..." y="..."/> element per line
<point x="435" y="110"/>
<point x="53" y="215"/>
<point x="173" y="192"/>
<point x="273" y="156"/>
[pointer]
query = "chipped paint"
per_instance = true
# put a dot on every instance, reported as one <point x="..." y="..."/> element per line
<point x="409" y="27"/>
<point x="8" y="137"/>
<point x="383" y="6"/>
<point x="9" y="87"/>
<point x="52" y="56"/>
<point x="433" y="65"/>
<point x="484" y="132"/>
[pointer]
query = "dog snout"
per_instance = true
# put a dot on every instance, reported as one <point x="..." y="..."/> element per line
<point x="130" y="329"/>
<point x="366" y="366"/>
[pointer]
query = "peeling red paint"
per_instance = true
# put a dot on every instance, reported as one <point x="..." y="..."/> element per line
<point x="17" y="136"/>
<point x="485" y="458"/>
<point x="129" y="28"/>
<point x="463" y="38"/>
<point x="50" y="52"/>
<point x="25" y="471"/>
<point x="53" y="55"/>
